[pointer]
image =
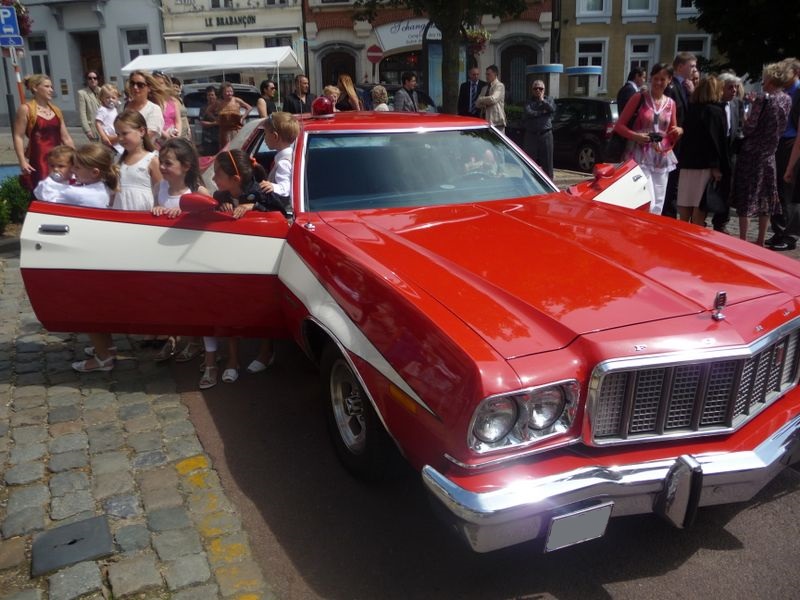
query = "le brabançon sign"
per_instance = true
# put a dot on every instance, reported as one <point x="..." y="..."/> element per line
<point x="241" y="20"/>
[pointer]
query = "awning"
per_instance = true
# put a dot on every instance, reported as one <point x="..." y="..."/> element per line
<point x="277" y="59"/>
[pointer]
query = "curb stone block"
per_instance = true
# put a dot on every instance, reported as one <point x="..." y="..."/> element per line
<point x="166" y="519"/>
<point x="203" y="592"/>
<point x="216" y="524"/>
<point x="228" y="550"/>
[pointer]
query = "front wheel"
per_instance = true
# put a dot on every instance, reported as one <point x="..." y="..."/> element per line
<point x="356" y="431"/>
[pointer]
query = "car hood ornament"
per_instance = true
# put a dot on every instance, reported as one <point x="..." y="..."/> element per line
<point x="719" y="304"/>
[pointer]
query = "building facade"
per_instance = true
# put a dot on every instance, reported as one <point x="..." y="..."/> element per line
<point x="617" y="35"/>
<point x="208" y="25"/>
<point x="339" y="44"/>
<point x="70" y="37"/>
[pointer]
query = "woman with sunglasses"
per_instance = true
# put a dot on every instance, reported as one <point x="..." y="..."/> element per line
<point x="143" y="89"/>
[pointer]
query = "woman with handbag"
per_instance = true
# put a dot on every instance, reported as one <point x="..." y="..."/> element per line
<point x="43" y="124"/>
<point x="703" y="154"/>
<point x="653" y="134"/>
<point x="755" y="190"/>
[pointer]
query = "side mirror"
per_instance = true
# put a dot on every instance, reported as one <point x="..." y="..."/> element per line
<point x="198" y="203"/>
<point x="603" y="170"/>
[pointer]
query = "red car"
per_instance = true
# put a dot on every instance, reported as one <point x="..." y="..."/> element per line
<point x="546" y="359"/>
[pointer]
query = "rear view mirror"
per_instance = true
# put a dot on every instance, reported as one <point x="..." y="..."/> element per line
<point x="603" y="170"/>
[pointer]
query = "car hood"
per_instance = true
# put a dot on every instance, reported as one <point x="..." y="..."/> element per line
<point x="529" y="276"/>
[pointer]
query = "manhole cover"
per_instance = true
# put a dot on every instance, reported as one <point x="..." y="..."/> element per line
<point x="70" y="544"/>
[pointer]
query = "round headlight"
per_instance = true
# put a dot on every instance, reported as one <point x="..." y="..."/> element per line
<point x="546" y="407"/>
<point x="495" y="420"/>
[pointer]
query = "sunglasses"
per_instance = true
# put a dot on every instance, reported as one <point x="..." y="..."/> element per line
<point x="542" y="89"/>
<point x="139" y="84"/>
<point x="91" y="77"/>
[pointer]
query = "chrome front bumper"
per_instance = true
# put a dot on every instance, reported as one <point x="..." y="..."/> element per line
<point x="673" y="488"/>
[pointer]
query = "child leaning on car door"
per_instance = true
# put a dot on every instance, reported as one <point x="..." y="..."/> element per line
<point x="280" y="131"/>
<point x="180" y="174"/>
<point x="238" y="192"/>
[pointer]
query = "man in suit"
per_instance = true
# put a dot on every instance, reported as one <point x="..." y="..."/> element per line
<point x="636" y="79"/>
<point x="734" y="115"/>
<point x="678" y="90"/>
<point x="491" y="102"/>
<point x="469" y="92"/>
<point x="405" y="99"/>
<point x="88" y="103"/>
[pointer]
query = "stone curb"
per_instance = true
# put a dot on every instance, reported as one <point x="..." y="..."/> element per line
<point x="118" y="445"/>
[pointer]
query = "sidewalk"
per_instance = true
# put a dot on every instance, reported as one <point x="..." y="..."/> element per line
<point x="115" y="457"/>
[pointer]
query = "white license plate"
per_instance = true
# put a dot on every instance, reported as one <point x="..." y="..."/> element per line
<point x="579" y="526"/>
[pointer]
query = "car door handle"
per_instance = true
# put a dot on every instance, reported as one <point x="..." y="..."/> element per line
<point x="54" y="229"/>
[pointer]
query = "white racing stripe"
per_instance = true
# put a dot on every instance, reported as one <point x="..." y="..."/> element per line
<point x="112" y="246"/>
<point x="296" y="276"/>
<point x="629" y="191"/>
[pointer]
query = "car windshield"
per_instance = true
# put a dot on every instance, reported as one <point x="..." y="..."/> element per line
<point x="359" y="171"/>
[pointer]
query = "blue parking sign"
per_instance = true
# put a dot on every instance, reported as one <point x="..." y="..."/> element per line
<point x="8" y="21"/>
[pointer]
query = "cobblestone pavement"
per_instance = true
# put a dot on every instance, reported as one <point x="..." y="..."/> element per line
<point x="117" y="445"/>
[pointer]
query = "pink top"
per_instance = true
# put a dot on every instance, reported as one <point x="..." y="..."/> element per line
<point x="171" y="114"/>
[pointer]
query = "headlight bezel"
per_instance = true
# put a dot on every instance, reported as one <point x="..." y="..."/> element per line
<point x="522" y="433"/>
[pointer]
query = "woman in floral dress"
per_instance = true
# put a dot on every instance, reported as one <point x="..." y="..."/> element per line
<point x="755" y="190"/>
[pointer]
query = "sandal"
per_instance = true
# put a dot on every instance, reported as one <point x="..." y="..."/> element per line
<point x="82" y="366"/>
<point x="257" y="366"/>
<point x="89" y="350"/>
<point x="209" y="378"/>
<point x="167" y="350"/>
<point x="190" y="351"/>
<point x="230" y="375"/>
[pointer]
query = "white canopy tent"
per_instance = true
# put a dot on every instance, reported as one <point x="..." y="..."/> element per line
<point x="277" y="60"/>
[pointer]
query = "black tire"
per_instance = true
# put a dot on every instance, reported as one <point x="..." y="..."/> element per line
<point x="587" y="157"/>
<point x="357" y="434"/>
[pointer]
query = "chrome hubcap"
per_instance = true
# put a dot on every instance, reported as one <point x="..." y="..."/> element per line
<point x="348" y="407"/>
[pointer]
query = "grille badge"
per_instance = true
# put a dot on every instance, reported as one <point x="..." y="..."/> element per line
<point x="719" y="304"/>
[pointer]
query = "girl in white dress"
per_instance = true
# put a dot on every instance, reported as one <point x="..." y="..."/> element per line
<point x="180" y="172"/>
<point x="139" y="172"/>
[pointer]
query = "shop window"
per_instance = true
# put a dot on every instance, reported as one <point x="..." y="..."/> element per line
<point x="221" y="3"/>
<point x="277" y="41"/>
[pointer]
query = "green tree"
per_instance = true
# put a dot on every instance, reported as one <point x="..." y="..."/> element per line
<point x="751" y="33"/>
<point x="450" y="17"/>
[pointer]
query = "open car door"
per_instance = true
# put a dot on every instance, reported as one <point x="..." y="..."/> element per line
<point x="202" y="273"/>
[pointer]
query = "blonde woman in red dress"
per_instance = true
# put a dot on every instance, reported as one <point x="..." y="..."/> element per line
<point x="43" y="124"/>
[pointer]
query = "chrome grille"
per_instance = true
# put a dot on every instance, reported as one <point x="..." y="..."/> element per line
<point x="692" y="398"/>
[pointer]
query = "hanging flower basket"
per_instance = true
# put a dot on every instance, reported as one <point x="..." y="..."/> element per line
<point x="23" y="17"/>
<point x="477" y="40"/>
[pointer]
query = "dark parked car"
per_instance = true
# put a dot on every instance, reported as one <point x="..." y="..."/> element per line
<point x="582" y="128"/>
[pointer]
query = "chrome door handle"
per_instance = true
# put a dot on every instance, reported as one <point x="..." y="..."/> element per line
<point x="54" y="229"/>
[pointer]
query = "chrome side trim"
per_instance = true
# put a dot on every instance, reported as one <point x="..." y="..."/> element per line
<point x="521" y="510"/>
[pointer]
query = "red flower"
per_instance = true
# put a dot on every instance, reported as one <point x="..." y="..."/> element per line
<point x="23" y="17"/>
